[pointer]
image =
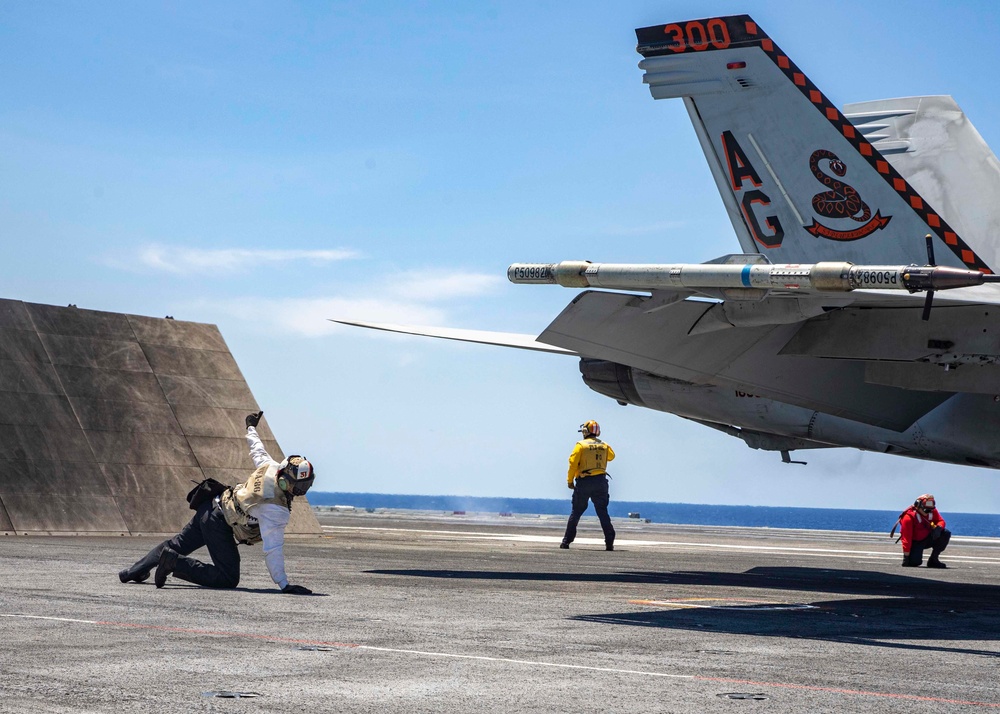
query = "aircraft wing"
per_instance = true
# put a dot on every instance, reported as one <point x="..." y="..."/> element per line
<point x="484" y="337"/>
<point x="617" y="327"/>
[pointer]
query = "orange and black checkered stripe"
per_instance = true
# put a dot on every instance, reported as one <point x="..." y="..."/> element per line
<point x="742" y="31"/>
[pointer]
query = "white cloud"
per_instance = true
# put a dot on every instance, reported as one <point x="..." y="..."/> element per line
<point x="417" y="297"/>
<point x="434" y="284"/>
<point x="198" y="261"/>
<point x="310" y="317"/>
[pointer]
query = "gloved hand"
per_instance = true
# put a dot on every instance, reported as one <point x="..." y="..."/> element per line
<point x="936" y="531"/>
<point x="571" y="487"/>
<point x="296" y="590"/>
<point x="254" y="419"/>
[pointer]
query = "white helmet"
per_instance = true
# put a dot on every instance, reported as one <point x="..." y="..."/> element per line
<point x="295" y="475"/>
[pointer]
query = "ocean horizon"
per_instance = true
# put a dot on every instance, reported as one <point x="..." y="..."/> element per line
<point x="835" y="519"/>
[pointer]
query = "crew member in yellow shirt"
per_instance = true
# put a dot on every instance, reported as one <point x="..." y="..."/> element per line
<point x="588" y="478"/>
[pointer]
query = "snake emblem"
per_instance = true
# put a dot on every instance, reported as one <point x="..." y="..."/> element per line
<point x="841" y="201"/>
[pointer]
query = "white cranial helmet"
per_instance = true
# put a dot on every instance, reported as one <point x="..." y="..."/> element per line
<point x="295" y="475"/>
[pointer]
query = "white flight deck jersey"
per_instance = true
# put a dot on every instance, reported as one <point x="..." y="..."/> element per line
<point x="259" y="511"/>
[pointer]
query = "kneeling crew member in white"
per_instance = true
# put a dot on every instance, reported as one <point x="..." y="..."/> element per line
<point x="251" y="512"/>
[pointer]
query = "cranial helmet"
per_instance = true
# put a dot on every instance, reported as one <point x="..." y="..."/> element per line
<point x="925" y="502"/>
<point x="295" y="475"/>
<point x="590" y="428"/>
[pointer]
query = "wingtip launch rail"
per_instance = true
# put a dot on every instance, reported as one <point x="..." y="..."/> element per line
<point x="823" y="277"/>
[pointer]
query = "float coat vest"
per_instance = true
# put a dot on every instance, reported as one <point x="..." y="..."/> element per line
<point x="590" y="457"/>
<point x="261" y="487"/>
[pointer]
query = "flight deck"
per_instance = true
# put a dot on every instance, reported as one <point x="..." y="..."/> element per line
<point x="439" y="612"/>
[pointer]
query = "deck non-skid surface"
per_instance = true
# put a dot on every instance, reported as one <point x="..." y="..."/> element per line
<point x="428" y="613"/>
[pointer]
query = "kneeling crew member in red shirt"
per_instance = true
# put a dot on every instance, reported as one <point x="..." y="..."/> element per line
<point x="920" y="527"/>
<point x="588" y="477"/>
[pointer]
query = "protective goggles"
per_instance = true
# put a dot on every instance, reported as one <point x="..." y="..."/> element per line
<point x="300" y="486"/>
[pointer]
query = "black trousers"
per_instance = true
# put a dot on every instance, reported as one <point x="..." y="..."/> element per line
<point x="935" y="544"/>
<point x="206" y="528"/>
<point x="594" y="489"/>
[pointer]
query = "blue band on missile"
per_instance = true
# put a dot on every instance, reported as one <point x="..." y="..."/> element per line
<point x="745" y="275"/>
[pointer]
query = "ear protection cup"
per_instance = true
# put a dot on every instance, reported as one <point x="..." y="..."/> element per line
<point x="282" y="480"/>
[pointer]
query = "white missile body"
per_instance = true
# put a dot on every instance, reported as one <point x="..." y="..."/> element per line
<point x="834" y="277"/>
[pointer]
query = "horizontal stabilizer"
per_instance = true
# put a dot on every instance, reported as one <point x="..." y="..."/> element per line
<point x="501" y="339"/>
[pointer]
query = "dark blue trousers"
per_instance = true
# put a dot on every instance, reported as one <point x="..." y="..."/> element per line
<point x="206" y="528"/>
<point x="595" y="490"/>
<point x="935" y="544"/>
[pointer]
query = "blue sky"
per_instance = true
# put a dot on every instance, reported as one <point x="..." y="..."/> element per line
<point x="265" y="166"/>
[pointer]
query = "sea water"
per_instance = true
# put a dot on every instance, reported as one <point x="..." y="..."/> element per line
<point x="834" y="519"/>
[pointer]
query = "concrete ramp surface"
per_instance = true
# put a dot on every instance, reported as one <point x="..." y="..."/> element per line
<point x="106" y="419"/>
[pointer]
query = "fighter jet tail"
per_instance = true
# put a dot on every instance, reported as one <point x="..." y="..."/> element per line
<point x="800" y="181"/>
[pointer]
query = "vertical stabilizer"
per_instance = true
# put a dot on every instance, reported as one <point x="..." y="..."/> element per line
<point x="931" y="142"/>
<point x="800" y="182"/>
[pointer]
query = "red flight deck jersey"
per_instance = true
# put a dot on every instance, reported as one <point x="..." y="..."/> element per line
<point x="915" y="526"/>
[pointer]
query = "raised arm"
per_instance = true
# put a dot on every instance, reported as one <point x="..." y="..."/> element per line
<point x="258" y="453"/>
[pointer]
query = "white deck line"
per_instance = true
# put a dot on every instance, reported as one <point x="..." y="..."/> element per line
<point x="472" y="535"/>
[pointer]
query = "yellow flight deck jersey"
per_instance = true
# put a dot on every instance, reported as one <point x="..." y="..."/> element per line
<point x="590" y="457"/>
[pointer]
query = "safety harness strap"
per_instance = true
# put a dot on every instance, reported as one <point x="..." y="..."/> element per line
<point x="898" y="521"/>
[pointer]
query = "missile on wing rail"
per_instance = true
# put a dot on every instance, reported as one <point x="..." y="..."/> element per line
<point x="836" y="277"/>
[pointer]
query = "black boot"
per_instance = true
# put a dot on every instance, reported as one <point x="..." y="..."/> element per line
<point x="168" y="561"/>
<point x="933" y="562"/>
<point x="126" y="576"/>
